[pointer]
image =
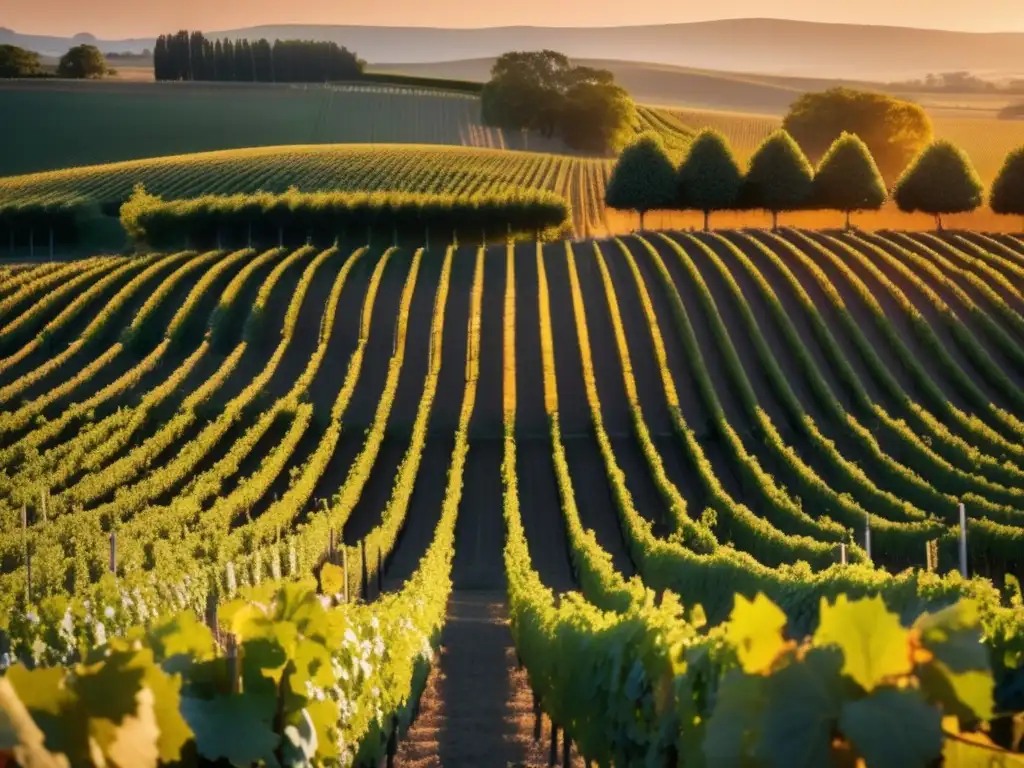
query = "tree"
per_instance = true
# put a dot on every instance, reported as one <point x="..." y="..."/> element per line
<point x="709" y="177"/>
<point x="779" y="179"/>
<point x="643" y="178"/>
<point x="940" y="180"/>
<point x="597" y="117"/>
<point x="894" y="130"/>
<point x="161" y="59"/>
<point x="82" y="61"/>
<point x="847" y="179"/>
<point x="542" y="91"/>
<point x="526" y="90"/>
<point x="1007" y="195"/>
<point x="197" y="56"/>
<point x="18" y="62"/>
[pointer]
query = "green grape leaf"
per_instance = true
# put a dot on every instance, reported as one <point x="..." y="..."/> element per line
<point x="968" y="695"/>
<point x="46" y="698"/>
<point x="20" y="736"/>
<point x="805" y="697"/>
<point x="166" y="690"/>
<point x="108" y="689"/>
<point x="874" y="644"/>
<point x="893" y="728"/>
<point x="235" y="728"/>
<point x="732" y="729"/>
<point x="755" y="630"/>
<point x="313" y="660"/>
<point x="325" y="717"/>
<point x="953" y="635"/>
<point x="133" y="742"/>
<point x="332" y="579"/>
<point x="183" y="635"/>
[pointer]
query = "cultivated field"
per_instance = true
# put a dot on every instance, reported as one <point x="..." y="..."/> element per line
<point x="127" y="121"/>
<point x="715" y="408"/>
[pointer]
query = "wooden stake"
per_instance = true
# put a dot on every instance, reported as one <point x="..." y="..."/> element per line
<point x="566" y="749"/>
<point x="553" y="754"/>
<point x="344" y="568"/>
<point x="867" y="535"/>
<point x="366" y="586"/>
<point x="842" y="552"/>
<point x="380" y="572"/>
<point x="538" y="717"/>
<point x="963" y="541"/>
<point x="113" y="551"/>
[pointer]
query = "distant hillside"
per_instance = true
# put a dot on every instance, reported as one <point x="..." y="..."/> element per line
<point x="767" y="46"/>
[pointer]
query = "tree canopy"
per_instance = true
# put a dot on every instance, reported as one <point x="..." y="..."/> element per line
<point x="894" y="130"/>
<point x="643" y="178"/>
<point x="81" y="62"/>
<point x="542" y="91"/>
<point x="710" y="179"/>
<point x="847" y="179"/>
<point x="940" y="180"/>
<point x="779" y="178"/>
<point x="18" y="62"/>
<point x="1007" y="195"/>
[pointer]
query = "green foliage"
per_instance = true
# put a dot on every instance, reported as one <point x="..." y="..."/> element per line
<point x="597" y="117"/>
<point x="1007" y="194"/>
<point x="847" y="178"/>
<point x="643" y="178"/>
<point x="82" y="62"/>
<point x="542" y="91"/>
<point x="709" y="178"/>
<point x="940" y="180"/>
<point x="779" y="178"/>
<point x="863" y="686"/>
<point x="266" y="218"/>
<point x="18" y="62"/>
<point x="894" y="130"/>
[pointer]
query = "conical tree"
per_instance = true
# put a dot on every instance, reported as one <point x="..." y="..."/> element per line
<point x="940" y="180"/>
<point x="643" y="178"/>
<point x="779" y="179"/>
<point x="1007" y="194"/>
<point x="709" y="178"/>
<point x="848" y="179"/>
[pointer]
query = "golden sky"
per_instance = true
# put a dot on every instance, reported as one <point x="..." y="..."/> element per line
<point x="145" y="18"/>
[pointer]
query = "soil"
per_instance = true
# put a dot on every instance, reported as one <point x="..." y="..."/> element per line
<point x="477" y="709"/>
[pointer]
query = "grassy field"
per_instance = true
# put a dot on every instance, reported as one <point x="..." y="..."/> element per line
<point x="236" y="412"/>
<point x="128" y="121"/>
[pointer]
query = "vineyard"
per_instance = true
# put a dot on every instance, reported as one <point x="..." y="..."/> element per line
<point x="647" y="421"/>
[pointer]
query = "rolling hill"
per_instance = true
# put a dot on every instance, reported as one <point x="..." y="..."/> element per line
<point x="771" y="46"/>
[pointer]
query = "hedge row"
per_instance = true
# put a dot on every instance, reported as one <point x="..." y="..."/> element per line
<point x="263" y="218"/>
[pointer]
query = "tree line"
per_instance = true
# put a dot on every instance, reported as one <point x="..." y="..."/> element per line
<point x="189" y="55"/>
<point x="293" y="217"/>
<point x="940" y="179"/>
<point x="80" y="62"/>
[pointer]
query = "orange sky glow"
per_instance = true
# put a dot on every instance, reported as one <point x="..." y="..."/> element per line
<point x="110" y="19"/>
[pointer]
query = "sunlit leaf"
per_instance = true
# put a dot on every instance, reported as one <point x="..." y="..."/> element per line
<point x="755" y="629"/>
<point x="874" y="643"/>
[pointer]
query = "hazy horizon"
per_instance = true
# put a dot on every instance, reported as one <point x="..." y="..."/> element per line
<point x="108" y="19"/>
